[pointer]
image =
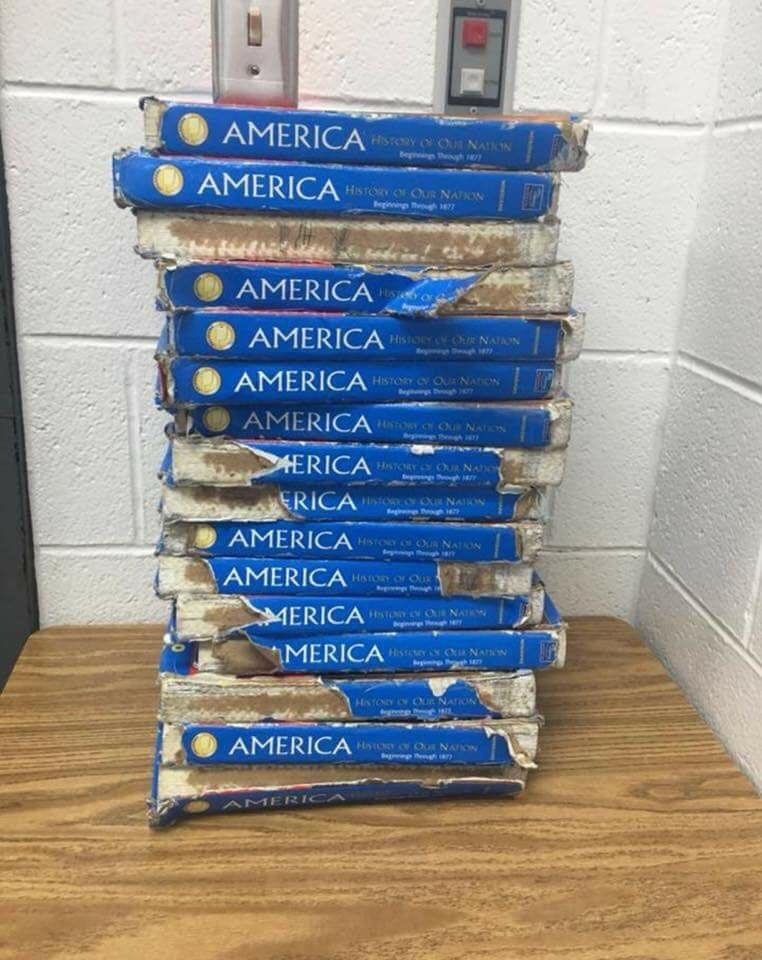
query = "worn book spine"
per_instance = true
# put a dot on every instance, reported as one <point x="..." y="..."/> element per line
<point x="483" y="542"/>
<point x="257" y="618"/>
<point x="268" y="502"/>
<point x="188" y="382"/>
<point x="180" y="792"/>
<point x="309" y="337"/>
<point x="220" y="461"/>
<point x="145" y="180"/>
<point x="357" y="578"/>
<point x="213" y="698"/>
<point x="523" y="142"/>
<point x="541" y="423"/>
<point x="401" y="652"/>
<point x="183" y="235"/>
<point x="421" y="291"/>
<point x="489" y="742"/>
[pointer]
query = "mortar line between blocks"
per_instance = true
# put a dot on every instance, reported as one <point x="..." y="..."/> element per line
<point x="96" y="550"/>
<point x="624" y="551"/>
<point x="134" y="445"/>
<point x="601" y="72"/>
<point x="721" y="375"/>
<point x="665" y="571"/>
<point x="103" y="339"/>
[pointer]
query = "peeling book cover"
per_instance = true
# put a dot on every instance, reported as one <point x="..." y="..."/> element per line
<point x="539" y="423"/>
<point x="144" y="180"/>
<point x="551" y="141"/>
<point x="220" y="461"/>
<point x="279" y="337"/>
<point x="490" y="742"/>
<point x="420" y="291"/>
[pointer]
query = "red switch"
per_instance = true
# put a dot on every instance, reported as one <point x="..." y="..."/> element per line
<point x="475" y="32"/>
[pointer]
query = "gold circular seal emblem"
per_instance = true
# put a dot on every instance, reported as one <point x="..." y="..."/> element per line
<point x="207" y="287"/>
<point x="220" y="335"/>
<point x="167" y="179"/>
<point x="203" y="744"/>
<point x="216" y="419"/>
<point x="178" y="648"/>
<point x="193" y="129"/>
<point x="204" y="536"/>
<point x="197" y="806"/>
<point x="206" y="381"/>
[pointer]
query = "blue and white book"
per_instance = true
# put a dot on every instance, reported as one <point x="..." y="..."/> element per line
<point x="258" y="618"/>
<point x="539" y="423"/>
<point x="518" y="542"/>
<point x="144" y="180"/>
<point x="491" y="742"/>
<point x="287" y="337"/>
<point x="552" y="141"/>
<point x="276" y="576"/>
<point x="405" y="291"/>
<point x="189" y="382"/>
<point x="203" y="697"/>
<point x="179" y="793"/>
<point x="222" y="461"/>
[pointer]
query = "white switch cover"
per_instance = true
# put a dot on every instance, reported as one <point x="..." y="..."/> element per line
<point x="471" y="80"/>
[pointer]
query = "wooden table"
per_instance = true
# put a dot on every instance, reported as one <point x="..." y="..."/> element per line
<point x="638" y="839"/>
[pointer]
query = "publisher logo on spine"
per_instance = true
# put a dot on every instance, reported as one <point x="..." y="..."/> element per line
<point x="203" y="745"/>
<point x="192" y="129"/>
<point x="207" y="287"/>
<point x="220" y="335"/>
<point x="206" y="381"/>
<point x="197" y="806"/>
<point x="216" y="419"/>
<point x="204" y="536"/>
<point x="168" y="179"/>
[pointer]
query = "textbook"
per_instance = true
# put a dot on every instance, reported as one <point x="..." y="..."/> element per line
<point x="267" y="502"/>
<point x="349" y="578"/>
<point x="420" y="291"/>
<point x="530" y="648"/>
<point x="184" y="235"/>
<point x="144" y="180"/>
<point x="539" y="423"/>
<point x="188" y="382"/>
<point x="257" y="618"/>
<point x="215" y="698"/>
<point x="552" y="141"/>
<point x="180" y="792"/>
<point x="219" y="461"/>
<point x="489" y="742"/>
<point x="358" y="540"/>
<point x="280" y="337"/>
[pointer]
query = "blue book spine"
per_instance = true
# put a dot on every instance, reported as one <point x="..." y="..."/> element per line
<point x="251" y="335"/>
<point x="404" y="291"/>
<point x="479" y="425"/>
<point x="146" y="181"/>
<point x="189" y="382"/>
<point x="349" y="743"/>
<point x="321" y="616"/>
<point x="429" y="650"/>
<point x="470" y="542"/>
<point x="540" y="143"/>
<point x="355" y="578"/>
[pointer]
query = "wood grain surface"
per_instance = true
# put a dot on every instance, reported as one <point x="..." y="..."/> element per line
<point x="638" y="839"/>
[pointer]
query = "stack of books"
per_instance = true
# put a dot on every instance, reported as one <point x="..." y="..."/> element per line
<point x="366" y="323"/>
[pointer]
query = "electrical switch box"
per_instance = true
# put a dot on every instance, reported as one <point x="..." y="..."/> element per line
<point x="476" y="52"/>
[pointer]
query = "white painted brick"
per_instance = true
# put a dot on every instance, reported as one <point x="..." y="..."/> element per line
<point x="87" y="587"/>
<point x="721" y="316"/>
<point x="594" y="583"/>
<point x="558" y="54"/>
<point x="740" y="93"/>
<point x="76" y="438"/>
<point x="723" y="685"/>
<point x="605" y="499"/>
<point x="661" y="59"/>
<point x="707" y="524"/>
<point x="152" y="440"/>
<point x="164" y="47"/>
<point x="73" y="262"/>
<point x="368" y="51"/>
<point x="66" y="41"/>
<point x="627" y="220"/>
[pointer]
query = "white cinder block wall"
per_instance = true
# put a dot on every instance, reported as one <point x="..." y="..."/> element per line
<point x="700" y="602"/>
<point x="667" y="83"/>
